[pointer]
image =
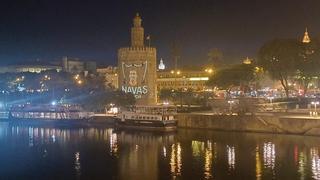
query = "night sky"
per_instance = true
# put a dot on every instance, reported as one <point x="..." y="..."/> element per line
<point x="49" y="29"/>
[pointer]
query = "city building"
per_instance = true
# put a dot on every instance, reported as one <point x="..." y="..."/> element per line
<point x="110" y="75"/>
<point x="183" y="79"/>
<point x="29" y="68"/>
<point x="137" y="67"/>
<point x="74" y="65"/>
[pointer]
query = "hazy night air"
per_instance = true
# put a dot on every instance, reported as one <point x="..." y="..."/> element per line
<point x="49" y="30"/>
<point x="160" y="89"/>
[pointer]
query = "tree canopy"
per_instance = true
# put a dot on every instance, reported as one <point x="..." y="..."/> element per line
<point x="281" y="58"/>
<point x="236" y="75"/>
<point x="309" y="64"/>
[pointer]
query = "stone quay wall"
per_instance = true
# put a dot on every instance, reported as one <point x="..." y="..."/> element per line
<point x="266" y="123"/>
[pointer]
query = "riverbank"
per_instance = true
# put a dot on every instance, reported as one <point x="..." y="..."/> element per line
<point x="280" y="123"/>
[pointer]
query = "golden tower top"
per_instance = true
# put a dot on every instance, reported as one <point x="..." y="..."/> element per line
<point x="137" y="32"/>
<point x="137" y="20"/>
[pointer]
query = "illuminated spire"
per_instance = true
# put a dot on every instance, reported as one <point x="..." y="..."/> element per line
<point x="247" y="61"/>
<point x="161" y="65"/>
<point x="306" y="38"/>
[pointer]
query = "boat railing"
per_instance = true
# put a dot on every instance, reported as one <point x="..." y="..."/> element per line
<point x="155" y="110"/>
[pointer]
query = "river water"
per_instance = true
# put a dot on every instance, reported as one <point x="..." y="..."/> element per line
<point x="28" y="152"/>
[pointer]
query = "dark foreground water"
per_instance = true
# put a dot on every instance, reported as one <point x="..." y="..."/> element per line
<point x="28" y="152"/>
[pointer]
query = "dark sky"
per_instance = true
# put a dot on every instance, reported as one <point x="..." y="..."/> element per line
<point x="50" y="29"/>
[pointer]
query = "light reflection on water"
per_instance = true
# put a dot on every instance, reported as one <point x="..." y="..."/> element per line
<point x="175" y="160"/>
<point x="315" y="165"/>
<point x="258" y="164"/>
<point x="208" y="161"/>
<point x="77" y="165"/>
<point x="89" y="153"/>
<point x="302" y="165"/>
<point x="113" y="142"/>
<point x="269" y="155"/>
<point x="231" y="157"/>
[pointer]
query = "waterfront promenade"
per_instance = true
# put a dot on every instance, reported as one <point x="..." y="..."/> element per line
<point x="267" y="122"/>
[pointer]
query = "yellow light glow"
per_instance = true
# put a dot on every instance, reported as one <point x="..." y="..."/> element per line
<point x="79" y="82"/>
<point x="172" y="71"/>
<point x="199" y="79"/>
<point x="178" y="72"/>
<point x="76" y="76"/>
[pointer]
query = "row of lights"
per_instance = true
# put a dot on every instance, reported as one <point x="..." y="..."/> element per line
<point x="208" y="70"/>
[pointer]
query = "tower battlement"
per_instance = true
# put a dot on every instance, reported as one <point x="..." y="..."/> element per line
<point x="141" y="49"/>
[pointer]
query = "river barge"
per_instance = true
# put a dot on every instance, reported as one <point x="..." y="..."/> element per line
<point x="49" y="113"/>
<point x="152" y="118"/>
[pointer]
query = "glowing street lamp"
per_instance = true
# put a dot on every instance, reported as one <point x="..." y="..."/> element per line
<point x="315" y="103"/>
<point x="209" y="70"/>
<point x="230" y="104"/>
<point x="165" y="103"/>
<point x="53" y="103"/>
<point x="270" y="99"/>
<point x="76" y="77"/>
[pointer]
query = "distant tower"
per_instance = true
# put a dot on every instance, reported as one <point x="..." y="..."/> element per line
<point x="306" y="38"/>
<point x="162" y="66"/>
<point x="247" y="61"/>
<point x="137" y="66"/>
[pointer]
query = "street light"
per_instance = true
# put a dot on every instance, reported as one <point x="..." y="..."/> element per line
<point x="270" y="99"/>
<point x="315" y="103"/>
<point x="230" y="104"/>
<point x="209" y="70"/>
<point x="53" y="103"/>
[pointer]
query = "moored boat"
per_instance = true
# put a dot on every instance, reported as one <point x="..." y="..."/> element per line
<point x="49" y="113"/>
<point x="153" y="118"/>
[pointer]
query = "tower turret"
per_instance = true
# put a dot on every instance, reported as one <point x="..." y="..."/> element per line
<point x="137" y="32"/>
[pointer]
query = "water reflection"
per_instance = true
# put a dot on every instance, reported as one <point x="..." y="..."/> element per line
<point x="164" y="152"/>
<point x="92" y="153"/>
<point x="315" y="165"/>
<point x="302" y="165"/>
<point x="113" y="142"/>
<point x="208" y="161"/>
<point x="175" y="160"/>
<point x="197" y="148"/>
<point x="77" y="165"/>
<point x="203" y="152"/>
<point x="269" y="155"/>
<point x="231" y="157"/>
<point x="258" y="164"/>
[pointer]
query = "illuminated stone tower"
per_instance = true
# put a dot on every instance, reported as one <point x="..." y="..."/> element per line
<point x="137" y="67"/>
<point x="306" y="38"/>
